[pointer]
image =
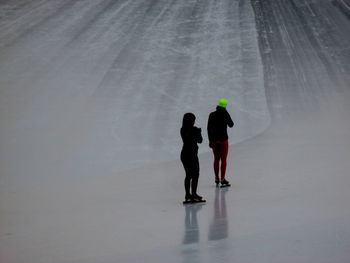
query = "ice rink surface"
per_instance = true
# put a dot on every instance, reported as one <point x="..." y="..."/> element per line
<point x="92" y="95"/>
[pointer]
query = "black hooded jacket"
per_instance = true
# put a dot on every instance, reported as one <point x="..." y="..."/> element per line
<point x="217" y="125"/>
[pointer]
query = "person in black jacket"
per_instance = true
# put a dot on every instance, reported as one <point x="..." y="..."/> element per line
<point x="218" y="122"/>
<point x="191" y="136"/>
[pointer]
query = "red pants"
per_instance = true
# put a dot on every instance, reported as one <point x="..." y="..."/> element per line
<point x="220" y="150"/>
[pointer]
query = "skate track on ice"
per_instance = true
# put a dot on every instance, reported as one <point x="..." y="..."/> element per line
<point x="92" y="95"/>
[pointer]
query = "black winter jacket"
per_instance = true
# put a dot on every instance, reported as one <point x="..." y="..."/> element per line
<point x="190" y="137"/>
<point x="217" y="125"/>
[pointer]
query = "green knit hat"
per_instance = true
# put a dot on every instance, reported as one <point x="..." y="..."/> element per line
<point x="222" y="103"/>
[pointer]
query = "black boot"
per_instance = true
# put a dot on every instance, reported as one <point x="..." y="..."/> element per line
<point x="225" y="182"/>
<point x="188" y="197"/>
<point x="197" y="197"/>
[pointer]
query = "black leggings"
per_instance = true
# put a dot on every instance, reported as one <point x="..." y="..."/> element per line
<point x="191" y="165"/>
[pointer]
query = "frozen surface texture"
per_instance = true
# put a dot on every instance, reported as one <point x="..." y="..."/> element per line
<point x="94" y="87"/>
<point x="92" y="94"/>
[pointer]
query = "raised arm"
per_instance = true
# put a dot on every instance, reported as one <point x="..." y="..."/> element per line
<point x="199" y="135"/>
<point x="229" y="120"/>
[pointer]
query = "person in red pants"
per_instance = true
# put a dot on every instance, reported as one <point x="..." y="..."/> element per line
<point x="218" y="122"/>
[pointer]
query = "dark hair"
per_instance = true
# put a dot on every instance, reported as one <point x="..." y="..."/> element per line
<point x="188" y="120"/>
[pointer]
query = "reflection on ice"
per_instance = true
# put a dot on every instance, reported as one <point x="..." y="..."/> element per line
<point x="191" y="234"/>
<point x="219" y="227"/>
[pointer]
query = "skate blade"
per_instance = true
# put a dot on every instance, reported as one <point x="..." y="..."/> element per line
<point x="194" y="202"/>
<point x="226" y="185"/>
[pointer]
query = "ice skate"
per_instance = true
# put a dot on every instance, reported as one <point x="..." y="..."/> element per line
<point x="225" y="183"/>
<point x="197" y="197"/>
<point x="193" y="199"/>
